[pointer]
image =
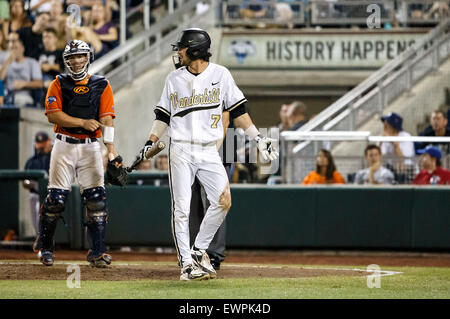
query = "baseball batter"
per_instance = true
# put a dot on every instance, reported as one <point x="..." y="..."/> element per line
<point x="79" y="105"/>
<point x="191" y="106"/>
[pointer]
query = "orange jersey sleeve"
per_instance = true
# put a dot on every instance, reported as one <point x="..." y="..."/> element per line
<point x="53" y="99"/>
<point x="107" y="103"/>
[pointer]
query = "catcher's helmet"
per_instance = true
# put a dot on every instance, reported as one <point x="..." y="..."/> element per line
<point x="77" y="47"/>
<point x="197" y="41"/>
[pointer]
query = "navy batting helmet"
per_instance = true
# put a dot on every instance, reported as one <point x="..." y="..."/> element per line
<point x="197" y="41"/>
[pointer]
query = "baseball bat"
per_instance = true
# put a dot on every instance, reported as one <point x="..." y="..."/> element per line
<point x="159" y="146"/>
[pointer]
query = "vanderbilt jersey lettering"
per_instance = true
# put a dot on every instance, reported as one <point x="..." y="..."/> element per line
<point x="195" y="102"/>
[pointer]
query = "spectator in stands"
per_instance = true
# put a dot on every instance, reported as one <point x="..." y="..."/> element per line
<point x="439" y="10"/>
<point x="40" y="160"/>
<point x="325" y="172"/>
<point x="255" y="9"/>
<point x="162" y="163"/>
<point x="438" y="127"/>
<point x="375" y="173"/>
<point x="3" y="48"/>
<point x="87" y="35"/>
<point x="38" y="6"/>
<point x="105" y="30"/>
<point x="284" y="111"/>
<point x="18" y="18"/>
<point x="22" y="73"/>
<point x="145" y="165"/>
<point x="32" y="36"/>
<point x="58" y="21"/>
<point x="432" y="173"/>
<point x="296" y="115"/>
<point x="4" y="11"/>
<point x="50" y="60"/>
<point x="393" y="127"/>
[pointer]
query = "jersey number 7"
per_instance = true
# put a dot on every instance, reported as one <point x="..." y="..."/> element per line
<point x="216" y="119"/>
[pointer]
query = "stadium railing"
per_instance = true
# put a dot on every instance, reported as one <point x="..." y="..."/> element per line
<point x="343" y="13"/>
<point x="373" y="95"/>
<point x="148" y="48"/>
<point x="296" y="165"/>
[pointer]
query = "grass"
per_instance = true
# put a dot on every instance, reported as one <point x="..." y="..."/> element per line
<point x="415" y="282"/>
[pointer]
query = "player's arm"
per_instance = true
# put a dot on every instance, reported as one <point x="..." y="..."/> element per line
<point x="225" y="124"/>
<point x="64" y="120"/>
<point x="242" y="119"/>
<point x="158" y="129"/>
<point x="108" y="136"/>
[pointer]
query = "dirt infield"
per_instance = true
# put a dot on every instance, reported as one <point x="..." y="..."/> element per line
<point x="239" y="264"/>
<point x="121" y="272"/>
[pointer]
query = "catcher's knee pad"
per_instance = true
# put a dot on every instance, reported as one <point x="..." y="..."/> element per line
<point x="51" y="211"/>
<point x="97" y="216"/>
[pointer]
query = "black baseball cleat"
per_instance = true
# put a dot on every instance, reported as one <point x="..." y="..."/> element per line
<point x="102" y="261"/>
<point x="46" y="257"/>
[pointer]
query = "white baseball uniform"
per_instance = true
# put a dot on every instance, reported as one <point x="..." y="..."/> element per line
<point x="195" y="104"/>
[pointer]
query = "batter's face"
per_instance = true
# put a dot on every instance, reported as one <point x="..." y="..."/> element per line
<point x="77" y="62"/>
<point x="184" y="59"/>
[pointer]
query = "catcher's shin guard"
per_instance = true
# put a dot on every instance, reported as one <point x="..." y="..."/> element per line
<point x="50" y="212"/>
<point x="97" y="217"/>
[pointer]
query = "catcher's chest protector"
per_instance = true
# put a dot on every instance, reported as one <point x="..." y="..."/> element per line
<point x="82" y="101"/>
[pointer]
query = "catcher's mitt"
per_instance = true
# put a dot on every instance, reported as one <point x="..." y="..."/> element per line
<point x="116" y="174"/>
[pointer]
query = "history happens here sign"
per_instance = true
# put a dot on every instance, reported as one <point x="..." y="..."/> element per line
<point x="283" y="51"/>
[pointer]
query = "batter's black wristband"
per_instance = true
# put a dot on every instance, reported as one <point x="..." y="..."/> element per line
<point x="238" y="111"/>
<point x="161" y="116"/>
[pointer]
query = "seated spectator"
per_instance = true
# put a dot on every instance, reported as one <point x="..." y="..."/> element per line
<point x="439" y="10"/>
<point x="432" y="173"/>
<point x="393" y="127"/>
<point x="438" y="127"/>
<point x="3" y="48"/>
<point x="145" y="165"/>
<point x="284" y="123"/>
<point x="32" y="36"/>
<point x="162" y="163"/>
<point x="375" y="173"/>
<point x="18" y="18"/>
<point x="39" y="6"/>
<point x="22" y="74"/>
<point x="50" y="60"/>
<point x="296" y="115"/>
<point x="325" y="172"/>
<point x="105" y="30"/>
<point x="58" y="21"/>
<point x="4" y="11"/>
<point x="87" y="35"/>
<point x="251" y="11"/>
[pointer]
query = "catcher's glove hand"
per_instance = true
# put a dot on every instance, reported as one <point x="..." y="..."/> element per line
<point x="116" y="174"/>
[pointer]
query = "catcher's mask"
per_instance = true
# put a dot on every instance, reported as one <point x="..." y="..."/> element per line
<point x="77" y="47"/>
<point x="198" y="43"/>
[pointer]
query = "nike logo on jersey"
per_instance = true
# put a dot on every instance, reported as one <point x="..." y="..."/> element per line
<point x="215" y="83"/>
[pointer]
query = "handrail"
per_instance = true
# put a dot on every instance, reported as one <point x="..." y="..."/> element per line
<point x="142" y="38"/>
<point x="374" y="80"/>
<point x="357" y="135"/>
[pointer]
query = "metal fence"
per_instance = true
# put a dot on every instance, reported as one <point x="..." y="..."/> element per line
<point x="332" y="13"/>
<point x="296" y="165"/>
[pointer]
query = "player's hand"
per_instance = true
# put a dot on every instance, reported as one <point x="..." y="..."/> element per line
<point x="147" y="147"/>
<point x="264" y="145"/>
<point x="91" y="125"/>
